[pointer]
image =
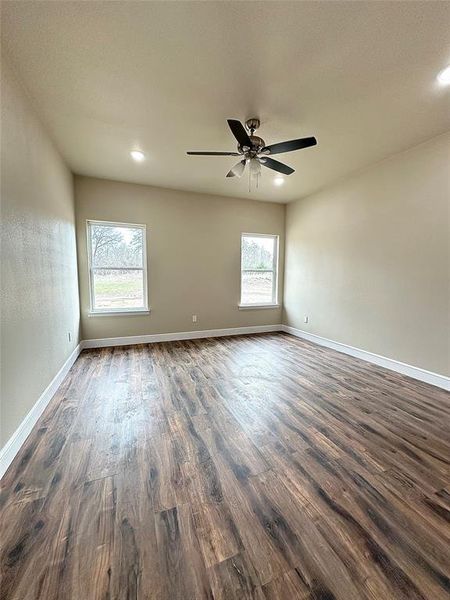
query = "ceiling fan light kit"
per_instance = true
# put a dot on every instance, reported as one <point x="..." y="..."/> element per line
<point x="254" y="151"/>
<point x="237" y="170"/>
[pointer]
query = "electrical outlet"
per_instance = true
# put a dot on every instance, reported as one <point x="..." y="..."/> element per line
<point x="306" y="319"/>
<point x="194" y="318"/>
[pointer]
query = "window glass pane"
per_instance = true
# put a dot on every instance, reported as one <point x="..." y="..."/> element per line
<point x="257" y="287"/>
<point x="116" y="246"/>
<point x="257" y="252"/>
<point x="118" y="289"/>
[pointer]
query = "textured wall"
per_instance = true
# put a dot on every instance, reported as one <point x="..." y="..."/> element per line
<point x="368" y="259"/>
<point x="193" y="250"/>
<point x="39" y="286"/>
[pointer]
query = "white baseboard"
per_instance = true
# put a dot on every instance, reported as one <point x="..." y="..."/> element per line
<point x="183" y="335"/>
<point x="15" y="442"/>
<point x="382" y="361"/>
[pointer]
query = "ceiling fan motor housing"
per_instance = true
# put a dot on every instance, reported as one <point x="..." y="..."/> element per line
<point x="257" y="144"/>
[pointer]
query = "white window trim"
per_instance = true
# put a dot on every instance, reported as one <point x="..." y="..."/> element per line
<point x="120" y="313"/>
<point x="274" y="303"/>
<point x="257" y="306"/>
<point x="96" y="312"/>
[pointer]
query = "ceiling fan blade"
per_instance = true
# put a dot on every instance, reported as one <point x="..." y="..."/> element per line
<point x="290" y="146"/>
<point x="238" y="130"/>
<point x="276" y="165"/>
<point x="237" y="170"/>
<point x="213" y="153"/>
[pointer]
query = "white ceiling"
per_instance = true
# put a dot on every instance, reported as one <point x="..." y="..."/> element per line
<point x="108" y="77"/>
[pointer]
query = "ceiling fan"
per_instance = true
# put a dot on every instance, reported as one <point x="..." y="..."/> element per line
<point x="254" y="151"/>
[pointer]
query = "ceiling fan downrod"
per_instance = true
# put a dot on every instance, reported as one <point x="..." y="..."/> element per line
<point x="257" y="142"/>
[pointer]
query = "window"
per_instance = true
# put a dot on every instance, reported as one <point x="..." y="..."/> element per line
<point x="117" y="267"/>
<point x="259" y="269"/>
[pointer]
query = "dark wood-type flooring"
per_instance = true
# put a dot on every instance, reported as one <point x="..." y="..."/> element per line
<point x="234" y="468"/>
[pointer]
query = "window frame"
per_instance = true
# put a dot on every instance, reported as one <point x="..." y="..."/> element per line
<point x="275" y="264"/>
<point x="118" y="311"/>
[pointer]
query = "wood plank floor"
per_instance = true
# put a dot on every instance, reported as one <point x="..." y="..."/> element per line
<point x="249" y="467"/>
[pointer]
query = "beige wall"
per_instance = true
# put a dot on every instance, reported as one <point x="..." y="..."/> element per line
<point x="193" y="251"/>
<point x="38" y="274"/>
<point x="368" y="259"/>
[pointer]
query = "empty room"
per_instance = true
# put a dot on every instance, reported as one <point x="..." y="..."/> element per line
<point x="225" y="300"/>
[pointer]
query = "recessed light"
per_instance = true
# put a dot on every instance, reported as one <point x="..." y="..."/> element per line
<point x="444" y="76"/>
<point x="278" y="180"/>
<point x="137" y="155"/>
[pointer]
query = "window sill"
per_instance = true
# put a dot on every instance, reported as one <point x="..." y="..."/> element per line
<point x="118" y="313"/>
<point x="257" y="306"/>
